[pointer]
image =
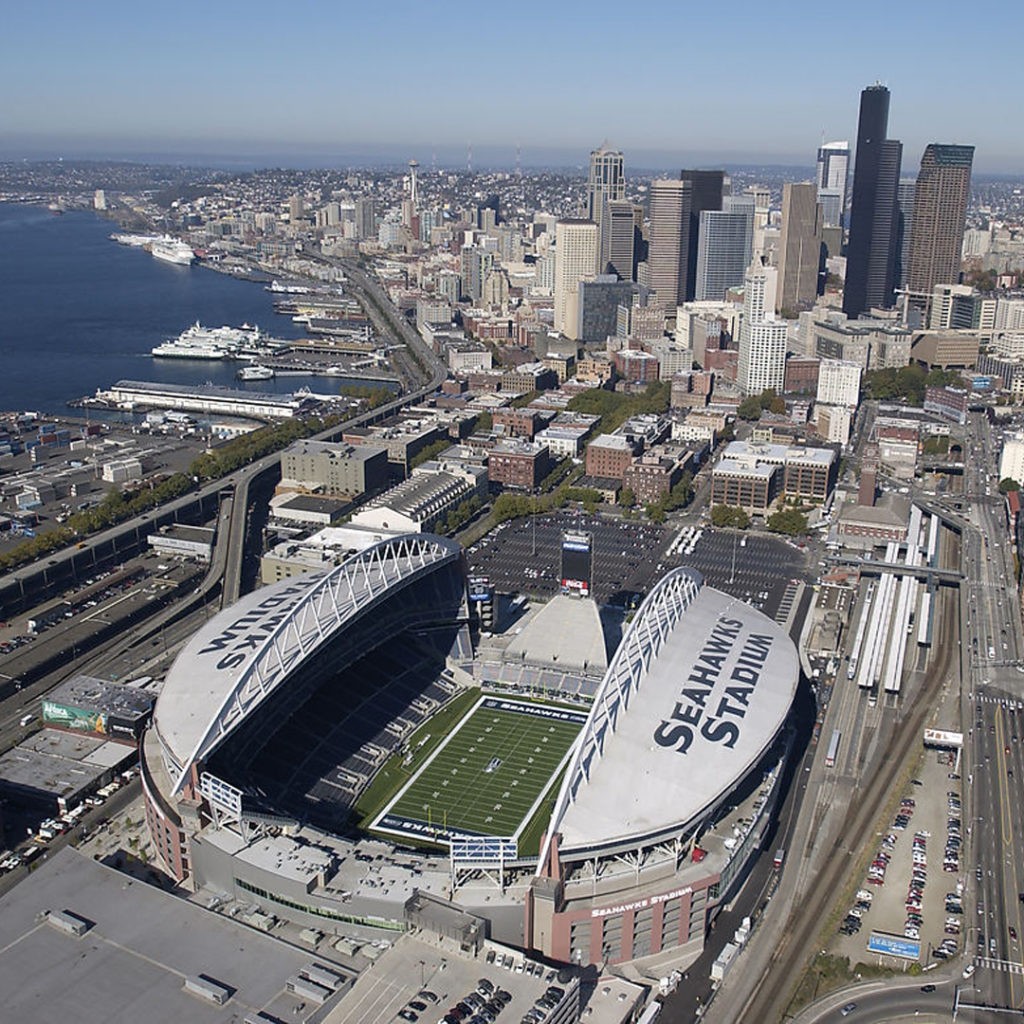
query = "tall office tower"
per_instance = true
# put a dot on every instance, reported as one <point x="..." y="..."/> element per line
<point x="706" y="191"/>
<point x="762" y="209"/>
<point x="296" y="208"/>
<point x="800" y="261"/>
<point x="607" y="180"/>
<point x="668" y="244"/>
<point x="940" y="207"/>
<point x="833" y="173"/>
<point x="617" y="238"/>
<point x="366" y="219"/>
<point x="575" y="258"/>
<point x="905" y="221"/>
<point x="725" y="247"/>
<point x="606" y="183"/>
<point x="762" y="355"/>
<point x="871" y="253"/>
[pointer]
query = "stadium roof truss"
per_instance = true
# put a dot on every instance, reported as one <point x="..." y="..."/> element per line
<point x="317" y="616"/>
<point x="657" y="616"/>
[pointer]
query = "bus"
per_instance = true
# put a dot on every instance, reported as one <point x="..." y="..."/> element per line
<point x="833" y="750"/>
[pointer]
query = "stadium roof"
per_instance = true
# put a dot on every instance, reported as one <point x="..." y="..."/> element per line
<point x="566" y="633"/>
<point x="241" y="655"/>
<point x="697" y="691"/>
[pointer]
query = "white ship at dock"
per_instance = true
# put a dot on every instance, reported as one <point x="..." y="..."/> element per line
<point x="244" y="343"/>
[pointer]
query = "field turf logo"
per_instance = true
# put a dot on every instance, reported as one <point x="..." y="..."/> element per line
<point x="698" y="710"/>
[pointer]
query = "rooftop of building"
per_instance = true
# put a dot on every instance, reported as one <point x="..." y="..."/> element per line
<point x="617" y="441"/>
<point x="61" y="764"/>
<point x="195" y="534"/>
<point x="132" y="962"/>
<point x="758" y="470"/>
<point x="518" y="446"/>
<point x="334" y="450"/>
<point x="92" y="694"/>
<point x="312" y="503"/>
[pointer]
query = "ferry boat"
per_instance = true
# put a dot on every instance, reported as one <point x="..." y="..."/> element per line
<point x="198" y="342"/>
<point x="255" y="372"/>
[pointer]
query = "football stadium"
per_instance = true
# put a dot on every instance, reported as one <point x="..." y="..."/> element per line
<point x="334" y="750"/>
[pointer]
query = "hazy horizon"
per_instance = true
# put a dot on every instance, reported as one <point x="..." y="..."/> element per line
<point x="353" y="84"/>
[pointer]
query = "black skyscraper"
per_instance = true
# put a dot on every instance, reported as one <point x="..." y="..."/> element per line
<point x="874" y="217"/>
<point x="706" y="194"/>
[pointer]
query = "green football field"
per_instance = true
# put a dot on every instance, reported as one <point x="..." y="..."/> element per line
<point x="488" y="774"/>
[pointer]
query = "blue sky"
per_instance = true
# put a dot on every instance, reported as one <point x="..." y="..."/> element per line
<point x="669" y="83"/>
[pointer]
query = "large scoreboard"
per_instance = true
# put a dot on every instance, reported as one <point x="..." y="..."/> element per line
<point x="577" y="563"/>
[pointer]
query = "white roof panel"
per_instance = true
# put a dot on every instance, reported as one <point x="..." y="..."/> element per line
<point x="708" y="707"/>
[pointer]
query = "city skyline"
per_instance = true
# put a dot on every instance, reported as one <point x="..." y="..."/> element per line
<point x="344" y="87"/>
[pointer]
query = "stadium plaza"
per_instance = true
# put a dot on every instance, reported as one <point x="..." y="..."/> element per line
<point x="333" y="750"/>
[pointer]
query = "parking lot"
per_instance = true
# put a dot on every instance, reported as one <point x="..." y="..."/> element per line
<point x="417" y="981"/>
<point x="756" y="569"/>
<point x="914" y="886"/>
<point x="524" y="556"/>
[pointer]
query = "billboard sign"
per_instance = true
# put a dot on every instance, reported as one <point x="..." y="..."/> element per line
<point x="78" y="719"/>
<point x="894" y="945"/>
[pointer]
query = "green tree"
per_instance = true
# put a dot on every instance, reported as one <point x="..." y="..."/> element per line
<point x="749" y="408"/>
<point x="908" y="383"/>
<point x="790" y="521"/>
<point x="627" y="499"/>
<point x="726" y="516"/>
<point x="430" y="452"/>
<point x="1008" y="484"/>
<point x="937" y="377"/>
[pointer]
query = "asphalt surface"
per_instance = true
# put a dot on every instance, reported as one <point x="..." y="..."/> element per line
<point x="629" y="556"/>
<point x="524" y="555"/>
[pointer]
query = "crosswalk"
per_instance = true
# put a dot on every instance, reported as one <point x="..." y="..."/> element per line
<point x="786" y="604"/>
<point x="993" y="964"/>
<point x="988" y="698"/>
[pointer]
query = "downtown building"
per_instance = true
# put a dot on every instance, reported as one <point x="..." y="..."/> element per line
<point x="608" y="208"/>
<point x="800" y="249"/>
<point x="724" y="247"/>
<point x="832" y="175"/>
<point x="937" y="231"/>
<point x="669" y="240"/>
<point x="707" y="189"/>
<point x="874" y="217"/>
<point x="576" y="251"/>
<point x="762" y="351"/>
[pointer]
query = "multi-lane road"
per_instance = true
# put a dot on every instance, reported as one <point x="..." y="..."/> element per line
<point x="993" y="722"/>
